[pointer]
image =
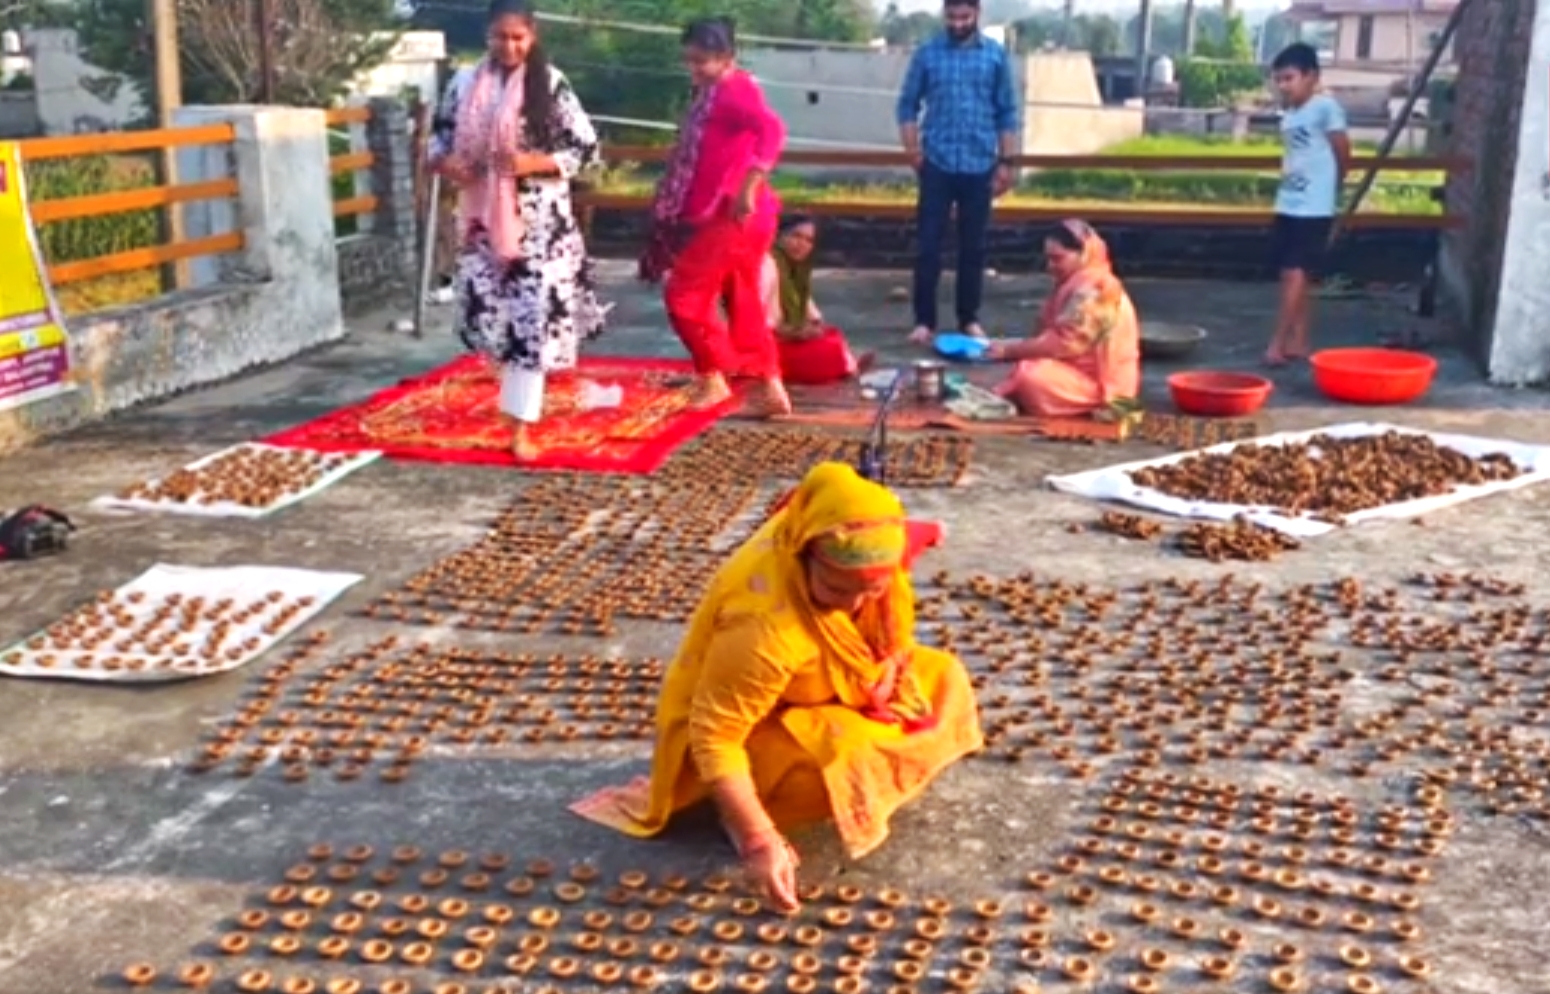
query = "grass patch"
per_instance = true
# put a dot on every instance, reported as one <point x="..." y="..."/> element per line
<point x="119" y="290"/>
<point x="343" y="185"/>
<point x="94" y="237"/>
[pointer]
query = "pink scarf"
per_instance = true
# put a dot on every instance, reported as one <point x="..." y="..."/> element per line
<point x="489" y="132"/>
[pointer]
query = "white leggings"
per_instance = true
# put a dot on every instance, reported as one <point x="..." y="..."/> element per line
<point x="522" y="394"/>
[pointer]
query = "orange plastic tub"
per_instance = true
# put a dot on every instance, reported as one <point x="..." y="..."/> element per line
<point x="1219" y="395"/>
<point x="1372" y="376"/>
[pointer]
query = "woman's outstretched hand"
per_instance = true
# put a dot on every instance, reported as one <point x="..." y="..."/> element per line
<point x="771" y="866"/>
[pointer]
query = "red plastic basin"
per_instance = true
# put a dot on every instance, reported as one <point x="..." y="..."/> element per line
<point x="1219" y="395"/>
<point x="1372" y="376"/>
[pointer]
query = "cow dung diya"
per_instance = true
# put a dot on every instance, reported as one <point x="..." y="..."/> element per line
<point x="381" y="709"/>
<point x="576" y="553"/>
<point x="1193" y="875"/>
<point x="1187" y="672"/>
<point x="458" y="922"/>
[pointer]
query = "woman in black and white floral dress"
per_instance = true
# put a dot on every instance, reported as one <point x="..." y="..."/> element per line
<point x="510" y="134"/>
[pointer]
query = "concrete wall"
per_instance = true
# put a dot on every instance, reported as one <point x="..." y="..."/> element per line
<point x="851" y="101"/>
<point x="853" y="94"/>
<point x="74" y="96"/>
<point x="373" y="264"/>
<point x="1486" y="117"/>
<point x="1520" y="333"/>
<point x="277" y="297"/>
<point x="1064" y="113"/>
<point x="412" y="65"/>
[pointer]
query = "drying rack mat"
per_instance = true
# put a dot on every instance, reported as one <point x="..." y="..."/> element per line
<point x="1114" y="483"/>
<point x="347" y="463"/>
<point x="257" y="605"/>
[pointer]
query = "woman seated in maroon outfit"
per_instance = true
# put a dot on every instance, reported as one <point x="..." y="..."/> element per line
<point x="811" y="351"/>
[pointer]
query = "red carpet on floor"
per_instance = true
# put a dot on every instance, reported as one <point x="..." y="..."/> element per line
<point x="450" y="415"/>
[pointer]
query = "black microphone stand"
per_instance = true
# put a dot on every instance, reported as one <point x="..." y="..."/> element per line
<point x="872" y="463"/>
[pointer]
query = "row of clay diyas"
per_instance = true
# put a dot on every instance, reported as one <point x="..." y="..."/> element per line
<point x="1283" y="866"/>
<point x="1288" y="881"/>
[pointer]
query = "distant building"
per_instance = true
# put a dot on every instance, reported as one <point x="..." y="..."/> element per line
<point x="1373" y="34"/>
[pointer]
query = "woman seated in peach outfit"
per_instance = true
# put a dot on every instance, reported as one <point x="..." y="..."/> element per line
<point x="800" y="694"/>
<point x="811" y="351"/>
<point x="1086" y="354"/>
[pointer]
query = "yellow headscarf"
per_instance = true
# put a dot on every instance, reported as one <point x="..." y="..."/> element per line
<point x="850" y="523"/>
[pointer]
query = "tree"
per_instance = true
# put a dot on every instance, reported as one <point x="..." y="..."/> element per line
<point x="1097" y="34"/>
<point x="1223" y="69"/>
<point x="904" y="30"/>
<point x="320" y="46"/>
<point x="637" y="74"/>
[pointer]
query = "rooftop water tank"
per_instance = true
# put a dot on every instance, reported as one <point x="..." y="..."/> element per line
<point x="10" y="43"/>
<point x="1162" y="71"/>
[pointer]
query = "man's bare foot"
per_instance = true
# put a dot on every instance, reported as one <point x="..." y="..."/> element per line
<point x="769" y="400"/>
<point x="921" y="335"/>
<point x="709" y="391"/>
<point x="975" y="330"/>
<point x="1274" y="358"/>
<point x="864" y="362"/>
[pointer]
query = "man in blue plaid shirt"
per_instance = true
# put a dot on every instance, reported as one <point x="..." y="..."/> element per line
<point x="962" y="152"/>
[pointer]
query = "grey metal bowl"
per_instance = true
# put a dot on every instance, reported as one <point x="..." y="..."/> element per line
<point x="1160" y="340"/>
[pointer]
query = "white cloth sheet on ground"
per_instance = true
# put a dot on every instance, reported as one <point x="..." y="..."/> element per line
<point x="1114" y="483"/>
<point x="231" y="509"/>
<point x="303" y="593"/>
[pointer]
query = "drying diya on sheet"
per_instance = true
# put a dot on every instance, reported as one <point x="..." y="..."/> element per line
<point x="1320" y="480"/>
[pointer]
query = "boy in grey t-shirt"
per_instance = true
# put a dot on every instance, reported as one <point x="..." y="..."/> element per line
<point x="1317" y="154"/>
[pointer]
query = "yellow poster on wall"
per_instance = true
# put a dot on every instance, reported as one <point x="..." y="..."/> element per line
<point x="34" y="353"/>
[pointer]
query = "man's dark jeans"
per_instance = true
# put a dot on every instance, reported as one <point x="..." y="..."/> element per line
<point x="940" y="192"/>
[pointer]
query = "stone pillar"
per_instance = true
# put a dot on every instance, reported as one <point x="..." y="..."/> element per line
<point x="1520" y="334"/>
<point x="284" y="204"/>
<point x="392" y="182"/>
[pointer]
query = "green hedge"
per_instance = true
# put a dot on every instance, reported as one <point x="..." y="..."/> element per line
<point x="92" y="237"/>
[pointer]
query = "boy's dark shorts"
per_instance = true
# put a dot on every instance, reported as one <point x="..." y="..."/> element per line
<point x="1299" y="243"/>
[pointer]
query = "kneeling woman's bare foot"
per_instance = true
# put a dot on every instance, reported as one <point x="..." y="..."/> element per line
<point x="709" y="391"/>
<point x="769" y="400"/>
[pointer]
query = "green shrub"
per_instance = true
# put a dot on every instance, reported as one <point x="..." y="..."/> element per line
<point x="1206" y="83"/>
<point x="93" y="237"/>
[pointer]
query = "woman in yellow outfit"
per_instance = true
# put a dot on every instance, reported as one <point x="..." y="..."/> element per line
<point x="800" y="694"/>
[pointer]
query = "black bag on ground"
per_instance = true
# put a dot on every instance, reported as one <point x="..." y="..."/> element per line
<point x="33" y="532"/>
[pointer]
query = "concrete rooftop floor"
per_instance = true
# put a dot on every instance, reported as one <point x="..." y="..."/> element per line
<point x="111" y="853"/>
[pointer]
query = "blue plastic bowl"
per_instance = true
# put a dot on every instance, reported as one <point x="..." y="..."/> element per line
<point x="959" y="347"/>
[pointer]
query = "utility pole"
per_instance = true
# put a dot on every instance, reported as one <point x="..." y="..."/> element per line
<point x="1189" y="28"/>
<point x="163" y="17"/>
<point x="263" y="17"/>
<point x="1143" y="47"/>
<point x="1067" y="23"/>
